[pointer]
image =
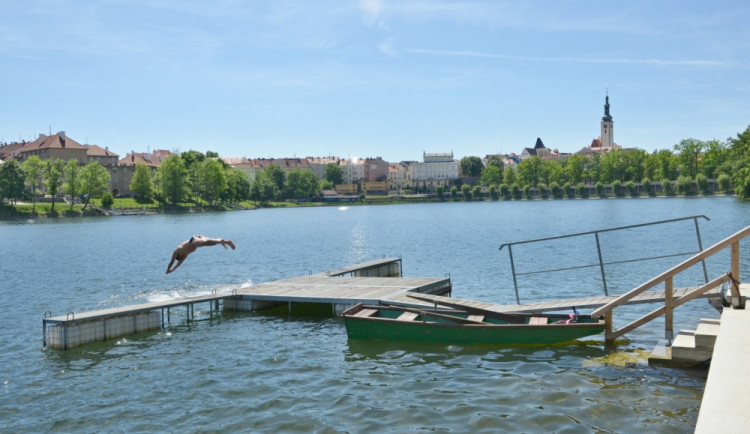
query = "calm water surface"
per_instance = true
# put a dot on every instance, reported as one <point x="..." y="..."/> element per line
<point x="273" y="373"/>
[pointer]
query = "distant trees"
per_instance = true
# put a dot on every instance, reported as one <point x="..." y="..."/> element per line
<point x="11" y="181"/>
<point x="694" y="160"/>
<point x="33" y="168"/>
<point x="471" y="166"/>
<point x="72" y="180"/>
<point x="94" y="181"/>
<point x="171" y="179"/>
<point x="53" y="178"/>
<point x="334" y="174"/>
<point x="141" y="184"/>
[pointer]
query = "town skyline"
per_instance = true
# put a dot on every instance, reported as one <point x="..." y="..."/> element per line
<point x="373" y="77"/>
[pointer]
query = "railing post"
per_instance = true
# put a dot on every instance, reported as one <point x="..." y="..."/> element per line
<point x="735" y="282"/>
<point x="601" y="263"/>
<point x="513" y="270"/>
<point x="609" y="337"/>
<point x="668" y="306"/>
<point x="700" y="247"/>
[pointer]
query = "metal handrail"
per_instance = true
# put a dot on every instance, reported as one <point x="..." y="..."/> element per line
<point x="601" y="264"/>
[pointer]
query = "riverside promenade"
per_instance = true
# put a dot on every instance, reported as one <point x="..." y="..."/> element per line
<point x="725" y="404"/>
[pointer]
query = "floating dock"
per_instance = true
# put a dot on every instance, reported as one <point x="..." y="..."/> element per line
<point x="374" y="282"/>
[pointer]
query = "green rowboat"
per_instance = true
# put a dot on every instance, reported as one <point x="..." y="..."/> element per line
<point x="453" y="326"/>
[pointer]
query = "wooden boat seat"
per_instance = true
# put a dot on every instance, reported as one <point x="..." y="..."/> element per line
<point x="407" y="316"/>
<point x="365" y="312"/>
<point x="537" y="320"/>
<point x="477" y="318"/>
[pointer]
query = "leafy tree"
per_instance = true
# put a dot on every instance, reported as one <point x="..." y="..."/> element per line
<point x="325" y="184"/>
<point x="466" y="191"/>
<point x="634" y="164"/>
<point x="210" y="180"/>
<point x="454" y="192"/>
<point x="617" y="188"/>
<point x="238" y="185"/>
<point x="33" y="169"/>
<point x="301" y="184"/>
<point x="334" y="174"/>
<point x="504" y="191"/>
<point x="684" y="184"/>
<point x="665" y="165"/>
<point x="212" y="154"/>
<point x="516" y="191"/>
<point x="689" y="151"/>
<point x="702" y="182"/>
<point x="172" y="179"/>
<point x="568" y="190"/>
<point x="632" y="188"/>
<point x="647" y="186"/>
<point x="107" y="200"/>
<point x="496" y="161"/>
<point x="716" y="157"/>
<point x="491" y="175"/>
<point x="555" y="189"/>
<point x="725" y="182"/>
<point x="493" y="192"/>
<point x="613" y="166"/>
<point x="476" y="192"/>
<point x="530" y="171"/>
<point x="189" y="158"/>
<point x="11" y="180"/>
<point x="575" y="168"/>
<point x="53" y="175"/>
<point x="276" y="174"/>
<point x="94" y="181"/>
<point x="471" y="166"/>
<point x="740" y="152"/>
<point x="141" y="185"/>
<point x="528" y="191"/>
<point x="263" y="189"/>
<point x="666" y="186"/>
<point x="440" y="192"/>
<point x="72" y="185"/>
<point x="582" y="190"/>
<point x="599" y="186"/>
<point x="509" y="175"/>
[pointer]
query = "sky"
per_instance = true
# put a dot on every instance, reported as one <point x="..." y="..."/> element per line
<point x="372" y="78"/>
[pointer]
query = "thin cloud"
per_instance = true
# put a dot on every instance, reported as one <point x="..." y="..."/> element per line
<point x="661" y="62"/>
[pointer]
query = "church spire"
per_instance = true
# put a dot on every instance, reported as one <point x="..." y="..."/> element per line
<point x="607" y="137"/>
<point x="607" y="117"/>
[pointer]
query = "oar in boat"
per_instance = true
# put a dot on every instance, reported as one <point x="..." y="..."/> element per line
<point x="446" y="317"/>
<point x="509" y="317"/>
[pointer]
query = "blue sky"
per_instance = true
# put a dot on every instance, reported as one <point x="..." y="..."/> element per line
<point x="372" y="77"/>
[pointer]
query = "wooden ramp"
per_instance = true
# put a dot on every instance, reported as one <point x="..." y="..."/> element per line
<point x="348" y="290"/>
<point x="547" y="306"/>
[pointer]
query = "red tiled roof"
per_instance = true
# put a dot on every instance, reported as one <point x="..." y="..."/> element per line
<point x="94" y="150"/>
<point x="55" y="141"/>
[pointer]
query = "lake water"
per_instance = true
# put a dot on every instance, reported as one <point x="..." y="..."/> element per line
<point x="273" y="373"/>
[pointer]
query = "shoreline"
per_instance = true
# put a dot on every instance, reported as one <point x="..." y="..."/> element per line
<point x="374" y="200"/>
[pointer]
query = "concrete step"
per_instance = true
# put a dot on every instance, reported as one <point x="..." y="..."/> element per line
<point x="685" y="351"/>
<point x="705" y="334"/>
<point x="689" y="346"/>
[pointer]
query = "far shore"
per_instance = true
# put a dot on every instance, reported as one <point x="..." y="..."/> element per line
<point x="22" y="210"/>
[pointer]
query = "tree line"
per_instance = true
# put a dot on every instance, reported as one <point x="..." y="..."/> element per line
<point x="190" y="176"/>
<point x="205" y="179"/>
<point x="690" y="160"/>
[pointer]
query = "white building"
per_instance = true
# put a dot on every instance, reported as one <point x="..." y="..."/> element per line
<point x="436" y="167"/>
<point x="354" y="170"/>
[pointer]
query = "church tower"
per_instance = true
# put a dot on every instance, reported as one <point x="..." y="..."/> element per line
<point x="607" y="139"/>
